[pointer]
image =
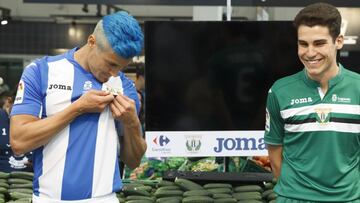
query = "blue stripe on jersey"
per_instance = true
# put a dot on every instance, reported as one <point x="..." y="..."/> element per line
<point x="44" y="84"/>
<point x="37" y="165"/>
<point x="79" y="163"/>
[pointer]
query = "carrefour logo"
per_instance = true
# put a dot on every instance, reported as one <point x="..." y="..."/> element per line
<point x="239" y="144"/>
<point x="161" y="140"/>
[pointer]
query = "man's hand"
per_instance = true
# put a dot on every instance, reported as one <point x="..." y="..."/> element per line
<point x="123" y="109"/>
<point x="133" y="146"/>
<point x="94" y="101"/>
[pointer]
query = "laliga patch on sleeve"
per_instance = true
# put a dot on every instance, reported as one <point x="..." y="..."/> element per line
<point x="267" y="122"/>
<point x="20" y="93"/>
<point x="113" y="86"/>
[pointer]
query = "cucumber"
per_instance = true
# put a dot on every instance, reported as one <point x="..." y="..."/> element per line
<point x="272" y="196"/>
<point x="21" y="190"/>
<point x="174" y="199"/>
<point x="150" y="183"/>
<point x="269" y="185"/>
<point x="3" y="190"/>
<point x="226" y="200"/>
<point x="265" y="194"/>
<point x="221" y="195"/>
<point x="170" y="187"/>
<point x="187" y="184"/>
<point x="5" y="185"/>
<point x="220" y="191"/>
<point x="165" y="183"/>
<point x="137" y="197"/>
<point x="145" y="188"/>
<point x="248" y="188"/>
<point x="18" y="195"/>
<point x="250" y="201"/>
<point x="18" y="181"/>
<point x="22" y="175"/>
<point x="139" y="201"/>
<point x="198" y="199"/>
<point x="27" y="185"/>
<point x="134" y="191"/>
<point x="217" y="185"/>
<point x="168" y="193"/>
<point x="4" y="175"/>
<point x="247" y="196"/>
<point x="197" y="193"/>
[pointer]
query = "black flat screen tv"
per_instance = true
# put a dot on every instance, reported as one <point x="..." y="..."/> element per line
<point x="214" y="76"/>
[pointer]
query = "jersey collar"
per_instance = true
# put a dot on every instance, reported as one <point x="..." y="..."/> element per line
<point x="333" y="81"/>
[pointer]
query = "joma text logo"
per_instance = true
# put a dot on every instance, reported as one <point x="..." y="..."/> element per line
<point x="59" y="87"/>
<point x="301" y="100"/>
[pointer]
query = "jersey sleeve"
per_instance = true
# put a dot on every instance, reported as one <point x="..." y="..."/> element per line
<point x="28" y="98"/>
<point x="274" y="125"/>
<point x="130" y="91"/>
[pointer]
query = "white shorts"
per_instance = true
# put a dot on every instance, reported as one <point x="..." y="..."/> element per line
<point x="104" y="199"/>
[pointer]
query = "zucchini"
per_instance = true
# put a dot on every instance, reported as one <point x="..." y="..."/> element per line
<point x="174" y="199"/>
<point x="220" y="190"/>
<point x="168" y="193"/>
<point x="197" y="193"/>
<point x="226" y="200"/>
<point x="134" y="191"/>
<point x="248" y="188"/>
<point x="198" y="199"/>
<point x="187" y="184"/>
<point x="222" y="195"/>
<point x="217" y="185"/>
<point x="22" y="175"/>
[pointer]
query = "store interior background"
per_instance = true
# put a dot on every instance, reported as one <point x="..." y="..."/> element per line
<point x="37" y="29"/>
<point x="53" y="27"/>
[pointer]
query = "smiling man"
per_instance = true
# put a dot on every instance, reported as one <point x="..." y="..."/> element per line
<point x="313" y="117"/>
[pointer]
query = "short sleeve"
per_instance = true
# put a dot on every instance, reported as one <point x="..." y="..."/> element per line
<point x="130" y="90"/>
<point x="28" y="98"/>
<point x="274" y="124"/>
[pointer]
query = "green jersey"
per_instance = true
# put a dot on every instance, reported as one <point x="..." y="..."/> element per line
<point x="320" y="136"/>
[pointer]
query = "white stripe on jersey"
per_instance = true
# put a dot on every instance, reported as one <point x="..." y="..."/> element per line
<point x="105" y="155"/>
<point x="331" y="126"/>
<point x="50" y="182"/>
<point x="106" y="149"/>
<point x="335" y="108"/>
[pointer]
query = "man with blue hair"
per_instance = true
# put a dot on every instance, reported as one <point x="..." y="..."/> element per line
<point x="66" y="109"/>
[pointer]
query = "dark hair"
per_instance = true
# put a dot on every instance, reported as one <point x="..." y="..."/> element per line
<point x="140" y="71"/>
<point x="322" y="14"/>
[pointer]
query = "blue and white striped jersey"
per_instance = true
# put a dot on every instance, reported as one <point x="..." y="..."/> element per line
<point x="81" y="161"/>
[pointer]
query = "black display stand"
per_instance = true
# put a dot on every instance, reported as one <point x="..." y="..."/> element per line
<point x="235" y="178"/>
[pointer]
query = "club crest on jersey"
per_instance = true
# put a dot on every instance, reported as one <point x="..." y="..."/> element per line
<point x="323" y="115"/>
<point x="87" y="85"/>
<point x="301" y="100"/>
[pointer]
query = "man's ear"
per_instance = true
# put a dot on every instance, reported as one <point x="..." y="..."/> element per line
<point x="339" y="42"/>
<point x="91" y="41"/>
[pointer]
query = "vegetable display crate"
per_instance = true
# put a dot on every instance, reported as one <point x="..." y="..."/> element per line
<point x="220" y="177"/>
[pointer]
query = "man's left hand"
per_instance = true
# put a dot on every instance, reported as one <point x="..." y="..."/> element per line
<point x="123" y="109"/>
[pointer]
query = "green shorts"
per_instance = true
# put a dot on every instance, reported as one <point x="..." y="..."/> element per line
<point x="281" y="199"/>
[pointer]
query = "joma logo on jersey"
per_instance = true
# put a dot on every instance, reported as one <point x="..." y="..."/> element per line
<point x="301" y="100"/>
<point x="60" y="87"/>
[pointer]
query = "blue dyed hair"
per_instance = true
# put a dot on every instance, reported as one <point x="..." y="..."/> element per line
<point x="124" y="34"/>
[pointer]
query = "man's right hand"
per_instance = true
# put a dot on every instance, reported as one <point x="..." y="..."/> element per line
<point x="93" y="101"/>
